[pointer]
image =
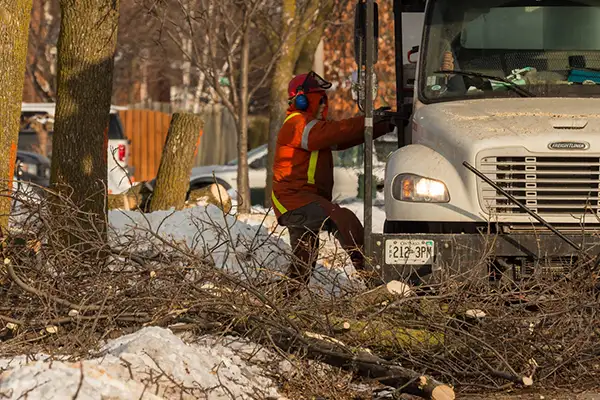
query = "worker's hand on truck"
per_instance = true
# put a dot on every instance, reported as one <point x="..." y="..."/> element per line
<point x="380" y="117"/>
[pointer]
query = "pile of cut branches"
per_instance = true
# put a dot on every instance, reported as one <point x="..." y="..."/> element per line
<point x="464" y="335"/>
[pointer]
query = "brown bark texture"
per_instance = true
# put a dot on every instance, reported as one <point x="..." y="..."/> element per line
<point x="14" y="26"/>
<point x="279" y="84"/>
<point x="300" y="41"/>
<point x="243" y="183"/>
<point x="86" y="46"/>
<point x="306" y="55"/>
<point x="362" y="362"/>
<point x="173" y="178"/>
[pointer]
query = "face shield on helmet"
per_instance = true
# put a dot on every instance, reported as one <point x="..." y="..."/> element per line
<point x="313" y="82"/>
<point x="307" y="92"/>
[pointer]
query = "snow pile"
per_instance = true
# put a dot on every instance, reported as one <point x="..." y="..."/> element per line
<point x="151" y="363"/>
<point x="246" y="245"/>
<point x="205" y="230"/>
<point x="378" y="213"/>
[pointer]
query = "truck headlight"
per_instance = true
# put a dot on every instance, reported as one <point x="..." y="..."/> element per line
<point x="415" y="188"/>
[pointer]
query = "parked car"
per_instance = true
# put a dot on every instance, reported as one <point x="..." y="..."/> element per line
<point x="348" y="169"/>
<point x="118" y="145"/>
<point x="32" y="167"/>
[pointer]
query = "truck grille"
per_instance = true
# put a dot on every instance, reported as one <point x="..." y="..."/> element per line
<point x="546" y="184"/>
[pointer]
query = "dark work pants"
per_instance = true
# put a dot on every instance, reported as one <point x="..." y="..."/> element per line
<point x="304" y="225"/>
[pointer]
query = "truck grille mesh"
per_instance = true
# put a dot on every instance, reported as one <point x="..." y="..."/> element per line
<point x="554" y="185"/>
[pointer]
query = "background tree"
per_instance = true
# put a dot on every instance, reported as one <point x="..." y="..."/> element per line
<point x="223" y="56"/>
<point x="41" y="57"/>
<point x="14" y="24"/>
<point x="340" y="42"/>
<point x="172" y="180"/>
<point x="302" y="24"/>
<point x="86" y="46"/>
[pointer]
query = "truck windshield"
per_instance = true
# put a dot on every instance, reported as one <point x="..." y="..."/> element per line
<point x="549" y="48"/>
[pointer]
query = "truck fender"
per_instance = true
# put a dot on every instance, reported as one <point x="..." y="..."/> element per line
<point x="423" y="161"/>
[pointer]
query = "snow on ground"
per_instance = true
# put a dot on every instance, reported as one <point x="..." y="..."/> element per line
<point x="243" y="244"/>
<point x="231" y="244"/>
<point x="378" y="213"/>
<point x="151" y="363"/>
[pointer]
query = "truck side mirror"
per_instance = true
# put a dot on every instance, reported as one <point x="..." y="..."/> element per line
<point x="360" y="32"/>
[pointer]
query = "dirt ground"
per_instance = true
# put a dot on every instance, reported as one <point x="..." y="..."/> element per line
<point x="536" y="394"/>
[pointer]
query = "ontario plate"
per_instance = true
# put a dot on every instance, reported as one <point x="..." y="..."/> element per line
<point x="409" y="252"/>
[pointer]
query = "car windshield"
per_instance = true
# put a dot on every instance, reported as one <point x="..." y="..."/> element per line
<point x="548" y="48"/>
<point x="250" y="154"/>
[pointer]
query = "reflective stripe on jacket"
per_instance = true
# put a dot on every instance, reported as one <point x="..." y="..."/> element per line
<point x="303" y="167"/>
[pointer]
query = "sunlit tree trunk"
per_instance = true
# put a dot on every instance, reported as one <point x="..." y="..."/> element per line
<point x="243" y="183"/>
<point x="86" y="47"/>
<point x="14" y="27"/>
<point x="279" y="85"/>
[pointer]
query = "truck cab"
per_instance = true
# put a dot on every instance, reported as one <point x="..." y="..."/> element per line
<point x="510" y="89"/>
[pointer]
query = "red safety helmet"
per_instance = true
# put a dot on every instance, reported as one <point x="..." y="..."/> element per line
<point x="307" y="83"/>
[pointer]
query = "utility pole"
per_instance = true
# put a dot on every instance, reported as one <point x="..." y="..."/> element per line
<point x="368" y="167"/>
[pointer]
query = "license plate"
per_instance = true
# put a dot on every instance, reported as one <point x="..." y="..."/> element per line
<point x="409" y="252"/>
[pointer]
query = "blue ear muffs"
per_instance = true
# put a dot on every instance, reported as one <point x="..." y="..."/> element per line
<point x="301" y="102"/>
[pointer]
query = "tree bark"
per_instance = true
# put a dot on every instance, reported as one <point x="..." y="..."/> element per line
<point x="279" y="84"/>
<point x="334" y="352"/>
<point x="310" y="43"/>
<point x="173" y="178"/>
<point x="14" y="25"/>
<point x="296" y="57"/>
<point x="243" y="183"/>
<point x="86" y="47"/>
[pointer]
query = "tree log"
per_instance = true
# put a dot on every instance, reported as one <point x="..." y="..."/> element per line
<point x="139" y="197"/>
<point x="172" y="180"/>
<point x="214" y="194"/>
<point x="386" y="293"/>
<point x="379" y="334"/>
<point x="333" y="352"/>
<point x="136" y="197"/>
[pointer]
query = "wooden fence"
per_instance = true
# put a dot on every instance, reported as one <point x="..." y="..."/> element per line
<point x="147" y="131"/>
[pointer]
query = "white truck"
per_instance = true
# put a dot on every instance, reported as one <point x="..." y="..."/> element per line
<point x="498" y="165"/>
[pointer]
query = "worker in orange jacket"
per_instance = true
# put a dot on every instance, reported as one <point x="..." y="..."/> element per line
<point x="303" y="174"/>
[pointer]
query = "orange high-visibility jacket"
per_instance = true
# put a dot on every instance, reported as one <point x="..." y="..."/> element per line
<point x="303" y="167"/>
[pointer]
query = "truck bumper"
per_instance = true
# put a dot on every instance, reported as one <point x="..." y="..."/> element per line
<point x="470" y="255"/>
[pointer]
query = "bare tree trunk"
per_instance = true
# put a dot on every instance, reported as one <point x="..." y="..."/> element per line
<point x="86" y="47"/>
<point x="311" y="42"/>
<point x="243" y="183"/>
<point x="296" y="57"/>
<point x="14" y="25"/>
<point x="281" y="77"/>
<point x="173" y="178"/>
